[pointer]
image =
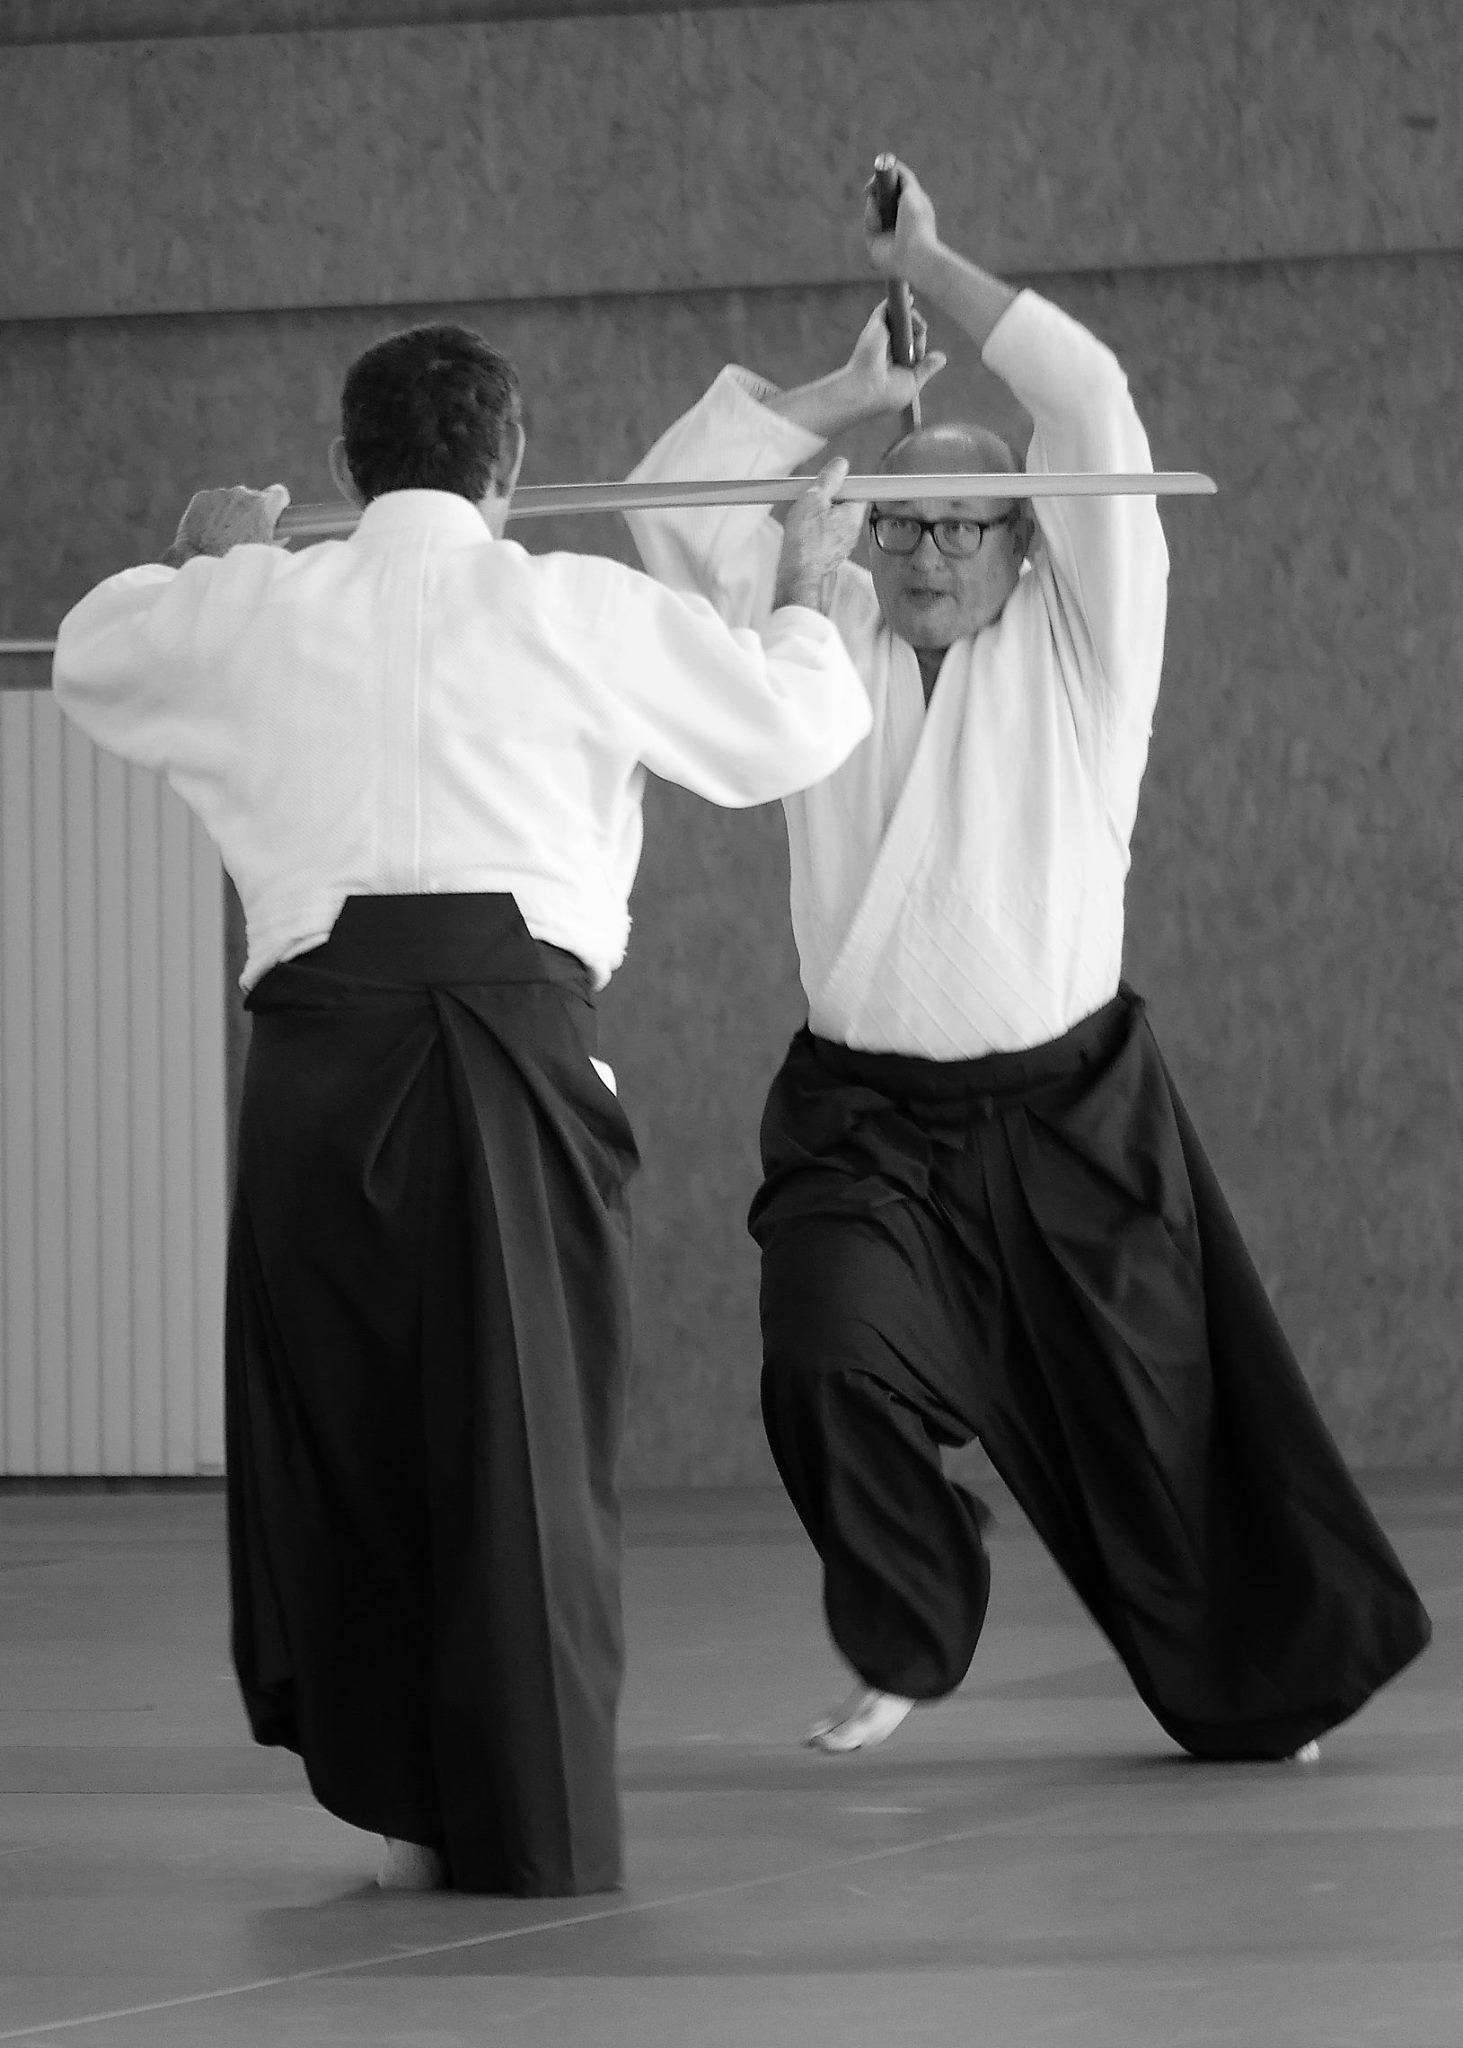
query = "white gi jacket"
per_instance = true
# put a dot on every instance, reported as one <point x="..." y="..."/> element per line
<point x="424" y="709"/>
<point x="957" y="884"/>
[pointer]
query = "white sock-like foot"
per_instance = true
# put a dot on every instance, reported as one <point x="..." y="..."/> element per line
<point x="410" y="1867"/>
<point x="865" y="1719"/>
<point x="1308" y="1753"/>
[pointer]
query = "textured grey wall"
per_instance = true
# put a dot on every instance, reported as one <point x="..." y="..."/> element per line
<point x="1296" y="875"/>
<point x="665" y="151"/>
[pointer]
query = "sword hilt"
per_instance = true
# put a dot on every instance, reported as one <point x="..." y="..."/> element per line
<point x="899" y="305"/>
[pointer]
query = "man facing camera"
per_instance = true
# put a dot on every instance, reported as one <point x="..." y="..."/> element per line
<point x="985" y="1213"/>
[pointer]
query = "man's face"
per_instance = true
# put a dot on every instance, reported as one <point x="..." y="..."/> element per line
<point x="932" y="597"/>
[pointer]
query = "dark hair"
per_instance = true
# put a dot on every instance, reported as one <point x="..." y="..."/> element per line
<point x="428" y="410"/>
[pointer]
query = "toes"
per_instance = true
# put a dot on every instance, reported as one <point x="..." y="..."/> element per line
<point x="862" y="1722"/>
<point x="838" y="1741"/>
<point x="840" y="1716"/>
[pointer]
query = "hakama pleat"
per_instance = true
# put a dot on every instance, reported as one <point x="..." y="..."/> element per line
<point x="1032" y="1249"/>
<point x="428" y="1339"/>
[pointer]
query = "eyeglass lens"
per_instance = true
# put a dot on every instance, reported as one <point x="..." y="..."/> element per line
<point x="900" y="534"/>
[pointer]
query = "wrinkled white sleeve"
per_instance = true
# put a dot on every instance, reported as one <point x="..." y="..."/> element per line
<point x="1107" y="554"/>
<point x="737" y="716"/>
<point x="116" y="665"/>
<point x="725" y="553"/>
<point x="140" y="662"/>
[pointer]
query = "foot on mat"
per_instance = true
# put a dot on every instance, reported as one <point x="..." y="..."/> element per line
<point x="865" y="1719"/>
<point x="409" y="1867"/>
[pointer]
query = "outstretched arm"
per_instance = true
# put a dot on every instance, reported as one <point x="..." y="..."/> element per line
<point x="133" y="664"/>
<point x="742" y="717"/>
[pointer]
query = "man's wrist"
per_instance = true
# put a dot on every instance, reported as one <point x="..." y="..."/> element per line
<point x="806" y="591"/>
<point x="852" y="401"/>
<point x="175" y="556"/>
<point x="929" y="269"/>
<point x="826" y="407"/>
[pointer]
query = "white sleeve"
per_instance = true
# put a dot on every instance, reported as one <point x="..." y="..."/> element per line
<point x="738" y="717"/>
<point x="115" y="667"/>
<point x="1107" y="555"/>
<point x="141" y="662"/>
<point x="725" y="553"/>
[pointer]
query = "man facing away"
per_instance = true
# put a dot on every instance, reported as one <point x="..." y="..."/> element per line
<point x="985" y="1212"/>
<point x="421" y="753"/>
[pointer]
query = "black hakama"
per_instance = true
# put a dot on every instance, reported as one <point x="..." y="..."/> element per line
<point x="428" y="1339"/>
<point x="1032" y="1249"/>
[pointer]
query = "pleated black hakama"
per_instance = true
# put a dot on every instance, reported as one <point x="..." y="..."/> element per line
<point x="1031" y="1248"/>
<point x="428" y="1338"/>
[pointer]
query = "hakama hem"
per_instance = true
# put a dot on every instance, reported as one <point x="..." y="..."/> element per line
<point x="428" y="1339"/>
<point x="1042" y="1258"/>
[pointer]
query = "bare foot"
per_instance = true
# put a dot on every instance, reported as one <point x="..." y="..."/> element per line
<point x="1308" y="1753"/>
<point x="409" y="1867"/>
<point x="865" y="1719"/>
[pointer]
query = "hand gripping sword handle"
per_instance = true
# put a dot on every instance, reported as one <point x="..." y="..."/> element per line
<point x="899" y="311"/>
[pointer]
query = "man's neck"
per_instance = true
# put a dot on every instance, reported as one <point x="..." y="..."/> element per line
<point x="931" y="660"/>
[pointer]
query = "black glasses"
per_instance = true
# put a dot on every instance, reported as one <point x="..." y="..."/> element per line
<point x="899" y="533"/>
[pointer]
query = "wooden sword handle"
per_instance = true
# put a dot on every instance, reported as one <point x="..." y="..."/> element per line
<point x="899" y="311"/>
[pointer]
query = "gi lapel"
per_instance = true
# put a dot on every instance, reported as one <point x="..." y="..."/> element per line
<point x="905" y="843"/>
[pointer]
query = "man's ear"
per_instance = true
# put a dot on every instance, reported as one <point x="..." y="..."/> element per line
<point x="1025" y="528"/>
<point x="340" y="469"/>
<point x="505" y="470"/>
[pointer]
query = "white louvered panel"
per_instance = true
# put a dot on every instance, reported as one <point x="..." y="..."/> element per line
<point x="144" y="1123"/>
<point x="177" y="1420"/>
<point x="112" y="1148"/>
<point x="18" y="1288"/>
<point x="49" y="1087"/>
<point x="83" y="1125"/>
<point x="114" y="1236"/>
<point x="209" y="1151"/>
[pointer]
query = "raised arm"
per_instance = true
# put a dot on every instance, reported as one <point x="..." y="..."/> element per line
<point x="747" y="427"/>
<point x="974" y="298"/>
<point x="132" y="657"/>
<point x="869" y="383"/>
<point x="1107" y="554"/>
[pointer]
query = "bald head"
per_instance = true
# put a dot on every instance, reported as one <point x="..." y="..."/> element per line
<point x="947" y="449"/>
<point x="932" y="598"/>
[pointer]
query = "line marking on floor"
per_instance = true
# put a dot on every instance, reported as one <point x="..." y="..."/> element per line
<point x="617" y="1912"/>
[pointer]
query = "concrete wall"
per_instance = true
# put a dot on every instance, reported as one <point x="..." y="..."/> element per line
<point x="1259" y="205"/>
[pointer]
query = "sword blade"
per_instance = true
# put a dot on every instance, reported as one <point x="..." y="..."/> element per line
<point x="550" y="501"/>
